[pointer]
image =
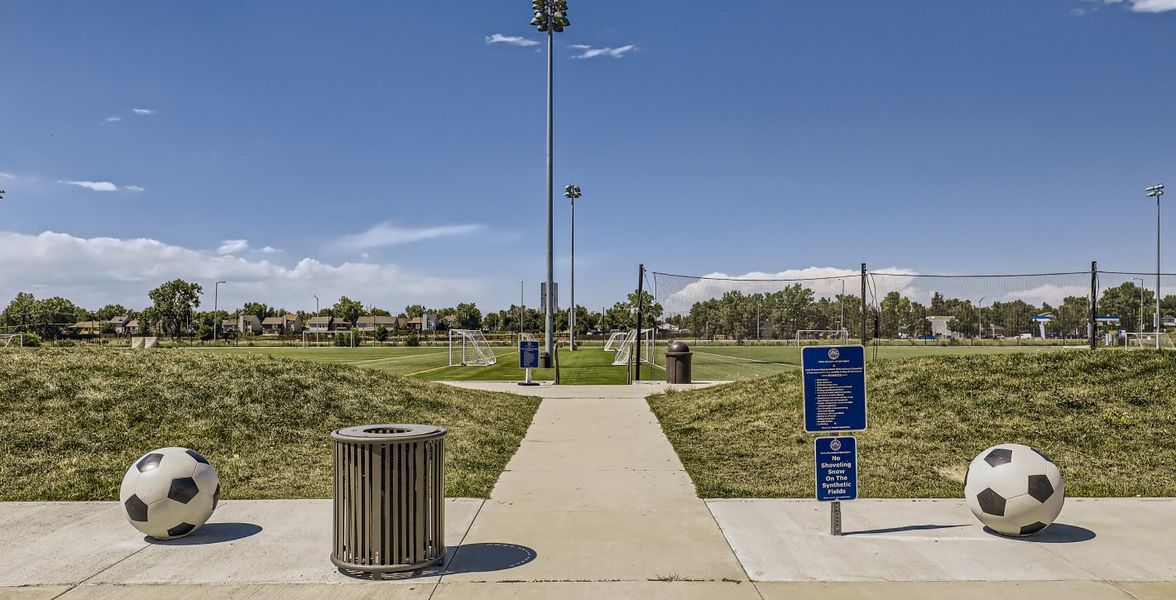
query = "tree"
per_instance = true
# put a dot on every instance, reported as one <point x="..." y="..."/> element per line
<point x="111" y="311"/>
<point x="379" y="312"/>
<point x="381" y="333"/>
<point x="173" y="303"/>
<point x="347" y="308"/>
<point x="491" y="321"/>
<point x="468" y="316"/>
<point x="414" y="310"/>
<point x="257" y="309"/>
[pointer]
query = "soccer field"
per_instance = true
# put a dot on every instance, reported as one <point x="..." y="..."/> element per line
<point x="592" y="365"/>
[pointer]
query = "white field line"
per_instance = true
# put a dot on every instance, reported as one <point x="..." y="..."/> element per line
<point x="455" y="366"/>
<point x="394" y="358"/>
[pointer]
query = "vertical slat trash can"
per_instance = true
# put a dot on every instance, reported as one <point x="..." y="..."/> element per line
<point x="389" y="497"/>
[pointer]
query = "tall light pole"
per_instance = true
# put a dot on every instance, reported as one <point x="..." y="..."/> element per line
<point x="1156" y="191"/>
<point x="551" y="17"/>
<point x="215" y="318"/>
<point x="316" y="304"/>
<point x="572" y="192"/>
<point x="980" y="317"/>
<point x="1139" y="328"/>
<point x="842" y="303"/>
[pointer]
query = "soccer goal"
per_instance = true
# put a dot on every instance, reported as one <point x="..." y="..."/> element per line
<point x="6" y="340"/>
<point x="812" y="337"/>
<point x="630" y="341"/>
<point x="526" y="337"/>
<point x="314" y="339"/>
<point x="615" y="339"/>
<point x="472" y="348"/>
<point x="1144" y="341"/>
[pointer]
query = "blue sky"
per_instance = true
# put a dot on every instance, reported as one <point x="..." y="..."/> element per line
<point x="394" y="151"/>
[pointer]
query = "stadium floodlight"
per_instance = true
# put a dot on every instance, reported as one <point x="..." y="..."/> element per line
<point x="1156" y="191"/>
<point x="571" y="192"/>
<point x="215" y="297"/>
<point x="550" y="16"/>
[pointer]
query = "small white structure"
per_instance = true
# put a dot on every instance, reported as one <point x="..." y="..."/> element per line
<point x="474" y="349"/>
<point x="1041" y="320"/>
<point x="941" y="327"/>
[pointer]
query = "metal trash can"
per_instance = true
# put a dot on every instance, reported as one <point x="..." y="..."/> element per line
<point x="389" y="497"/>
<point x="678" y="357"/>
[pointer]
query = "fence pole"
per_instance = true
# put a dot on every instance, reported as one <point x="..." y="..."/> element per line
<point x="640" y="308"/>
<point x="864" y="309"/>
<point x="1093" y="325"/>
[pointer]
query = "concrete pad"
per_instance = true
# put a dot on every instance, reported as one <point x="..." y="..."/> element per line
<point x="548" y="390"/>
<point x="1162" y="590"/>
<point x="574" y="491"/>
<point x="290" y="542"/>
<point x="602" y="545"/>
<point x="304" y="591"/>
<point x="976" y="590"/>
<point x="614" y="590"/>
<point x="45" y="543"/>
<point x="891" y="540"/>
<point x="1135" y="538"/>
<point x="41" y="592"/>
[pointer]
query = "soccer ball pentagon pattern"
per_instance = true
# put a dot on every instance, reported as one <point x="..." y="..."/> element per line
<point x="1015" y="490"/>
<point x="170" y="492"/>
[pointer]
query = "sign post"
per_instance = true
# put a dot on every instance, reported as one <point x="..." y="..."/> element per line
<point x="528" y="359"/>
<point x="835" y="402"/>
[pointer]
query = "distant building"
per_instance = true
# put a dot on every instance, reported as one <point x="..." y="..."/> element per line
<point x="319" y="324"/>
<point x="940" y="327"/>
<point x="369" y="324"/>
<point x="289" y="324"/>
<point x="249" y="324"/>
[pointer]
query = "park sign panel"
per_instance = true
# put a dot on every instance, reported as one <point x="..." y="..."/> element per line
<point x="834" y="388"/>
<point x="836" y="468"/>
<point x="528" y="354"/>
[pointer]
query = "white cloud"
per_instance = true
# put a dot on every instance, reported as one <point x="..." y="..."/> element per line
<point x="1152" y="6"/>
<point x="386" y="234"/>
<point x="135" y="188"/>
<point x="232" y="247"/>
<point x="97" y="186"/>
<point x="112" y="119"/>
<point x="824" y="281"/>
<point x="143" y="111"/>
<point x="7" y="175"/>
<point x="510" y="40"/>
<point x="590" y="52"/>
<point x="270" y="250"/>
<point x="97" y="271"/>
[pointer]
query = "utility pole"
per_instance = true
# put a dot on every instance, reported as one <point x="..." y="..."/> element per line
<point x="864" y="314"/>
<point x="1156" y="191"/>
<point x="640" y="309"/>
<point x="550" y="17"/>
<point x="572" y="192"/>
<point x="215" y="318"/>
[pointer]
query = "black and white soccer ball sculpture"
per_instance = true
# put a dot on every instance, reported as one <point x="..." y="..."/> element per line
<point x="170" y="492"/>
<point x="1014" y="490"/>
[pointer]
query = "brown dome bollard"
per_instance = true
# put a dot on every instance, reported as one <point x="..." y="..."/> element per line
<point x="389" y="497"/>
<point x="678" y="357"/>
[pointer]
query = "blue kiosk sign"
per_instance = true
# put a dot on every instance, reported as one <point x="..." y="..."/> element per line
<point x="834" y="388"/>
<point x="836" y="468"/>
<point x="528" y="354"/>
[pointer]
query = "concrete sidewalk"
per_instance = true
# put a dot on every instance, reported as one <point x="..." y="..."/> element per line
<point x="596" y="504"/>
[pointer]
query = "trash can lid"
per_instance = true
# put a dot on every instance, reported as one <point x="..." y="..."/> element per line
<point x="678" y="347"/>
<point x="387" y="433"/>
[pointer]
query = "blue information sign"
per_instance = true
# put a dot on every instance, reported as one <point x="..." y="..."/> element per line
<point x="528" y="354"/>
<point x="834" y="388"/>
<point x="836" y="468"/>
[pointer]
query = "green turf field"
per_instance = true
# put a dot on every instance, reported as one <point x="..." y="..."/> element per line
<point x="591" y="364"/>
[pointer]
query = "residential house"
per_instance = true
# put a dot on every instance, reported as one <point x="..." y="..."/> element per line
<point x="87" y="327"/>
<point x="119" y="324"/>
<point x="402" y="322"/>
<point x="132" y="327"/>
<point x="249" y="324"/>
<point x="449" y="320"/>
<point x="229" y="326"/>
<point x="319" y="324"/>
<point x="369" y="324"/>
<point x="426" y="322"/>
<point x="340" y="324"/>
<point x="289" y="324"/>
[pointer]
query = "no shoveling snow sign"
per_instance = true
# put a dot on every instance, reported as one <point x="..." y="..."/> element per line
<point x="836" y="468"/>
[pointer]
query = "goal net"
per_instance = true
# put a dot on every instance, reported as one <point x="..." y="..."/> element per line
<point x="526" y="337"/>
<point x="813" y="337"/>
<point x="1144" y="341"/>
<point x="614" y="340"/>
<point x="468" y="347"/>
<point x="625" y="350"/>
<point x="7" y="340"/>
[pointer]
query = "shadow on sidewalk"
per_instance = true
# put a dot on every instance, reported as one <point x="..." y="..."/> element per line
<point x="211" y="533"/>
<point x="1058" y="533"/>
<point x="466" y="558"/>
<point x="901" y="529"/>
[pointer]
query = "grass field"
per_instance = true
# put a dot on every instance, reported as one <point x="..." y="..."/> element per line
<point x="1106" y="418"/>
<point x="591" y="364"/>
<point x="75" y="418"/>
